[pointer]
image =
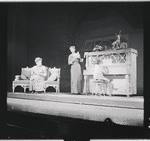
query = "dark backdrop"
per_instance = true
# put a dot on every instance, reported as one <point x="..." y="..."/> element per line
<point x="48" y="29"/>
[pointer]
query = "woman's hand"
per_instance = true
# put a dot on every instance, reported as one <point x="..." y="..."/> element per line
<point x="71" y="60"/>
<point x="42" y="74"/>
<point x="33" y="73"/>
<point x="81" y="60"/>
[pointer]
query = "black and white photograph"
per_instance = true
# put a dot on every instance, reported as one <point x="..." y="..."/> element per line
<point x="75" y="70"/>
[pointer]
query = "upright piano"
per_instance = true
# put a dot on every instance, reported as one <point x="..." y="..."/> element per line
<point x="122" y="70"/>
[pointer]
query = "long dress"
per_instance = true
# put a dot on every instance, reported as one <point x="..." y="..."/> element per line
<point x="97" y="72"/>
<point x="37" y="78"/>
<point x="98" y="76"/>
<point x="76" y="74"/>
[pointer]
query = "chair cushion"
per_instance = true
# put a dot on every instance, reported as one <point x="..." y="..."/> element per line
<point x="54" y="74"/>
<point x="25" y="73"/>
<point x="53" y="77"/>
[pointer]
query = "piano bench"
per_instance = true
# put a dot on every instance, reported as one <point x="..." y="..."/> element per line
<point x="100" y="87"/>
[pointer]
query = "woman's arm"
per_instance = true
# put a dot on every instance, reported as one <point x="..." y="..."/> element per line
<point x="33" y="71"/>
<point x="43" y="72"/>
<point x="79" y="57"/>
<point x="71" y="59"/>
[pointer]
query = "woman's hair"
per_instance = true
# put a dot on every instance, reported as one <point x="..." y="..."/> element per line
<point x="37" y="59"/>
<point x="97" y="61"/>
<point x="72" y="47"/>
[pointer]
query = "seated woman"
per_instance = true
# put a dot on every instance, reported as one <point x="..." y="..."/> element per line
<point x="98" y="75"/>
<point x="99" y="71"/>
<point x="38" y="76"/>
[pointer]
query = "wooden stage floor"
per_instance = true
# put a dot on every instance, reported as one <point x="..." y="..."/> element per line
<point x="136" y="102"/>
<point x="121" y="110"/>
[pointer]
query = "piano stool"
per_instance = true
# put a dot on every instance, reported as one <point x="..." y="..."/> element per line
<point x="99" y="87"/>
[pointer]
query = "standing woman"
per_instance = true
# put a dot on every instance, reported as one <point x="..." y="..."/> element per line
<point x="76" y="74"/>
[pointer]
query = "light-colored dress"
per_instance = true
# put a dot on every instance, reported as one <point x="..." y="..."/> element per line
<point x="98" y="76"/>
<point x="76" y="74"/>
<point x="98" y="73"/>
<point x="38" y="75"/>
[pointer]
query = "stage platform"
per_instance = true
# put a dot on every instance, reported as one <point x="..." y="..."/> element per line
<point x="121" y="110"/>
<point x="119" y="101"/>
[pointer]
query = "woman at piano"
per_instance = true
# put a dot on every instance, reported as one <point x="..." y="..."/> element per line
<point x="99" y="71"/>
<point x="98" y="74"/>
<point x="76" y="74"/>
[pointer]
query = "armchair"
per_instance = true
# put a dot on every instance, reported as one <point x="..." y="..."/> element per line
<point x="22" y="80"/>
<point x="54" y="79"/>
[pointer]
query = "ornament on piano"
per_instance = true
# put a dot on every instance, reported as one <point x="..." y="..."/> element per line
<point x="123" y="45"/>
<point x="97" y="48"/>
<point x="117" y="44"/>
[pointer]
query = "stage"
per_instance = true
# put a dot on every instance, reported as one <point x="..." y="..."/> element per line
<point x="121" y="110"/>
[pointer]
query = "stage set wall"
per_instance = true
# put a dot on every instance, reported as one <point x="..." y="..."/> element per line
<point x="44" y="30"/>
